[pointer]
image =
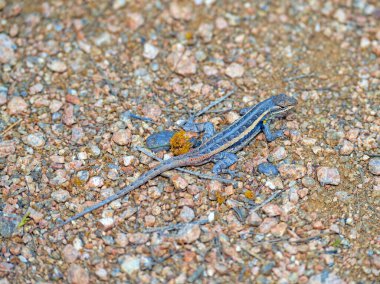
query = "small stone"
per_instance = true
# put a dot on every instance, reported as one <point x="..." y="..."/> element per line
<point x="138" y="238"/>
<point x="70" y="254"/>
<point x="106" y="224"/>
<point x="72" y="99"/>
<point x="309" y="141"/>
<point x="328" y="277"/>
<point x="17" y="105"/>
<point x="205" y="31"/>
<point x="365" y="43"/>
<point x="253" y="218"/>
<point x="221" y="23"/>
<point x="267" y="268"/>
<point x="302" y="193"/>
<point x="293" y="195"/>
<point x="130" y="264"/>
<point x="3" y="98"/>
<point x="122" y="137"/>
<point x="374" y="166"/>
<point x="293" y="172"/>
<point x="267" y="225"/>
<point x="346" y="148"/>
<point x="187" y="214"/>
<point x="101" y="273"/>
<point x="274" y="183"/>
<point x="189" y="234"/>
<point x="182" y="61"/>
<point x="181" y="10"/>
<point x="318" y="225"/>
<point x="135" y="20"/>
<point x="35" y="89"/>
<point x="235" y="70"/>
<point x="232" y="116"/>
<point x="340" y="15"/>
<point x="35" y="215"/>
<point x="7" y="47"/>
<point x="68" y="115"/>
<point x="35" y="140"/>
<point x="77" y="134"/>
<point x="328" y="175"/>
<point x="121" y="239"/>
<point x="129" y="160"/>
<point x="150" y="51"/>
<point x="7" y="148"/>
<point x="152" y="111"/>
<point x="353" y="134"/>
<point x="96" y="181"/>
<point x="83" y="176"/>
<point x="149" y="220"/>
<point x="117" y="4"/>
<point x="2" y="6"/>
<point x="272" y="210"/>
<point x="179" y="182"/>
<point x="267" y="169"/>
<point x="77" y="275"/>
<point x="60" y="195"/>
<point x="278" y="154"/>
<point x="279" y="230"/>
<point x="308" y="182"/>
<point x="57" y="66"/>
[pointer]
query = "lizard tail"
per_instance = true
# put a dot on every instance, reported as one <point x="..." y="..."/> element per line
<point x="162" y="167"/>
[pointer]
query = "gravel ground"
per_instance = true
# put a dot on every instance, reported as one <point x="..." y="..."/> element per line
<point x="71" y="69"/>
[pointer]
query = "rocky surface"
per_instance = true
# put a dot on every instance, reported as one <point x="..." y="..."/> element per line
<point x="73" y="72"/>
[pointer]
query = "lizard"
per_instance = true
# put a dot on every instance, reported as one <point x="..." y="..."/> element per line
<point x="219" y="148"/>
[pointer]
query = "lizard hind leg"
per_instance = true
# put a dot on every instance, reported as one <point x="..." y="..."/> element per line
<point x="223" y="161"/>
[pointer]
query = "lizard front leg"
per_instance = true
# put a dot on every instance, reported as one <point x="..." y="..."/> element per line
<point x="223" y="161"/>
<point x="268" y="134"/>
<point x="206" y="127"/>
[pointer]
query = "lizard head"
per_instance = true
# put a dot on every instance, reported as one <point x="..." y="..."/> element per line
<point x="282" y="104"/>
<point x="284" y="101"/>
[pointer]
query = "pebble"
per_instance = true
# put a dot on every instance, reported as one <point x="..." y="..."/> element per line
<point x="279" y="230"/>
<point x="179" y="182"/>
<point x="130" y="264"/>
<point x="2" y="6"/>
<point x="77" y="275"/>
<point x="7" y="47"/>
<point x="189" y="234"/>
<point x="117" y="4"/>
<point x="234" y="70"/>
<point x="150" y="51"/>
<point x="135" y="20"/>
<point x="187" y="214"/>
<point x="17" y="105"/>
<point x="374" y="166"/>
<point x="293" y="172"/>
<point x="106" y="224"/>
<point x="96" y="182"/>
<point x="272" y="210"/>
<point x="138" y="238"/>
<point x="7" y="148"/>
<point x="324" y="277"/>
<point x="101" y="273"/>
<point x="3" y="97"/>
<point x="267" y="225"/>
<point x="267" y="169"/>
<point x="328" y="175"/>
<point x="35" y="89"/>
<point x="181" y="10"/>
<point x="68" y="115"/>
<point x="122" y="137"/>
<point x="253" y="218"/>
<point x="57" y="66"/>
<point x="60" y="195"/>
<point x="35" y="140"/>
<point x="278" y="154"/>
<point x="35" y="215"/>
<point x="70" y="254"/>
<point x="182" y="61"/>
<point x="346" y="148"/>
